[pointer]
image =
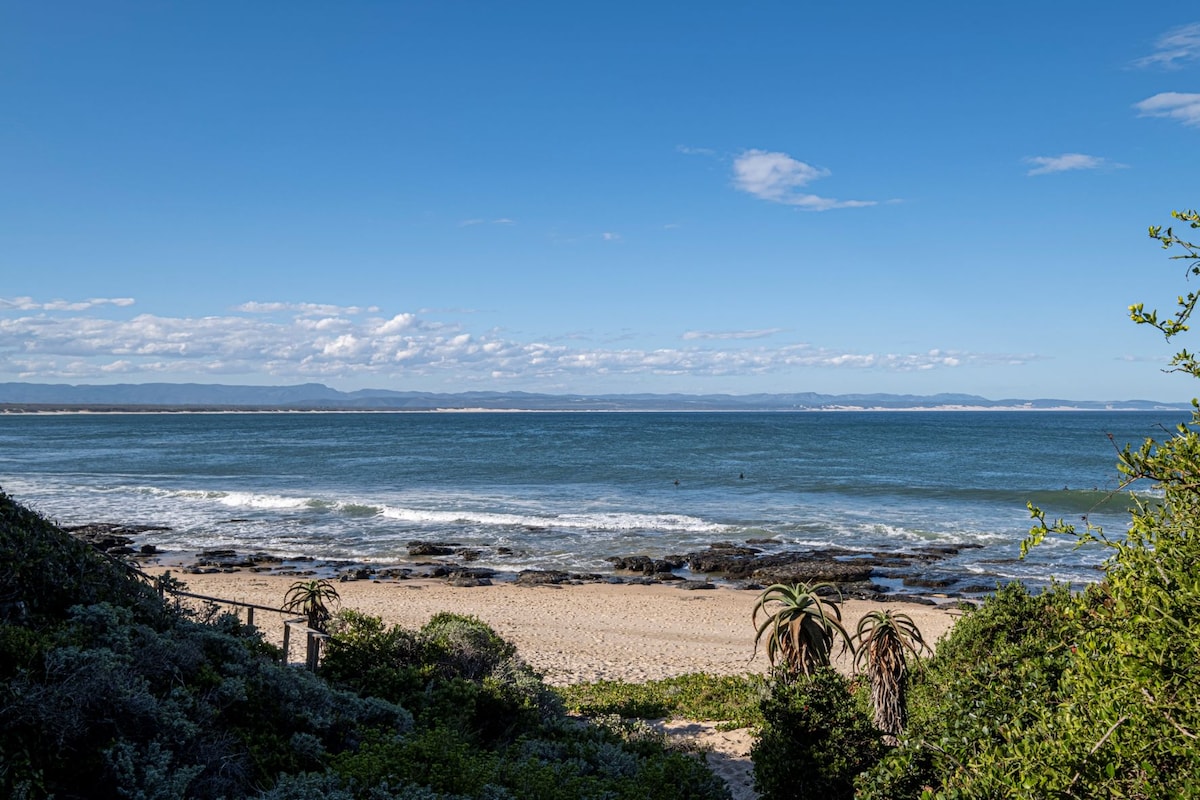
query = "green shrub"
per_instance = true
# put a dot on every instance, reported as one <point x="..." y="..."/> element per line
<point x="815" y="739"/>
<point x="463" y="646"/>
<point x="456" y="672"/>
<point x="1000" y="666"/>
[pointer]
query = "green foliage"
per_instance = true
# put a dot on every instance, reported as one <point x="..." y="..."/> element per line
<point x="815" y="739"/>
<point x="1183" y="361"/>
<point x="455" y="672"/>
<point x="464" y="646"/>
<point x="486" y="725"/>
<point x="44" y="572"/>
<point x="730" y="699"/>
<point x="990" y="678"/>
<point x="800" y="627"/>
<point x="122" y="696"/>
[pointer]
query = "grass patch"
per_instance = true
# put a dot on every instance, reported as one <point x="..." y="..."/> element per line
<point x="732" y="700"/>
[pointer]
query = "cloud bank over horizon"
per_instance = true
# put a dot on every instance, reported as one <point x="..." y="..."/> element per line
<point x="68" y="340"/>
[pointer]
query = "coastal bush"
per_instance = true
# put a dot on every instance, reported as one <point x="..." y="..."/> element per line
<point x="111" y="693"/>
<point x="999" y="667"/>
<point x="455" y="671"/>
<point x="463" y="646"/>
<point x="816" y="737"/>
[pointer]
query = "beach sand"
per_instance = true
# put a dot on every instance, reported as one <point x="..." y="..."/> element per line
<point x="571" y="633"/>
<point x="588" y="632"/>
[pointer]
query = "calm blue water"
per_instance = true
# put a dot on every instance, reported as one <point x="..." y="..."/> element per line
<point x="564" y="490"/>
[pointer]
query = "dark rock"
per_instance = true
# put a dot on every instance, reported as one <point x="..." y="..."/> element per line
<point x="732" y="547"/>
<point x="537" y="577"/>
<point x="468" y="554"/>
<point x="431" y="571"/>
<point x="428" y="549"/>
<point x="645" y="564"/>
<point x="976" y="588"/>
<point x="360" y="574"/>
<point x="918" y="599"/>
<point x="467" y="579"/>
<point x="838" y="572"/>
<point x="928" y="583"/>
<point x="148" y="550"/>
<point x="692" y="586"/>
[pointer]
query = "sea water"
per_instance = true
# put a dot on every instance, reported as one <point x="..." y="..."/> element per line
<point x="567" y="490"/>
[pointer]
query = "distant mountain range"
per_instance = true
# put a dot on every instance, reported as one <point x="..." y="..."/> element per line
<point x="315" y="396"/>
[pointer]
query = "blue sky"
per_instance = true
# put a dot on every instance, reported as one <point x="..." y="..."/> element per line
<point x="595" y="197"/>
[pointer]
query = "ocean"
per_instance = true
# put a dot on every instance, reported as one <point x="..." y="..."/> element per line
<point x="567" y="490"/>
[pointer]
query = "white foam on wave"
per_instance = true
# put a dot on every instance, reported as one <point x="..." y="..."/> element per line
<point x="601" y="521"/>
<point x="255" y="500"/>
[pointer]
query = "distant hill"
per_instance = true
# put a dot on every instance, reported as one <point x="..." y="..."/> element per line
<point x="316" y="396"/>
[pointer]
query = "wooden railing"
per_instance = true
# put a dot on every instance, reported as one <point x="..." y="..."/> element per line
<point x="313" y="637"/>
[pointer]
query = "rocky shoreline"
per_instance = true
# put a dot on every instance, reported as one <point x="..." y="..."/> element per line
<point x="914" y="575"/>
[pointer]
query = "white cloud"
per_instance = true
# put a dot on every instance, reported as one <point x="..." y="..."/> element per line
<point x="778" y="177"/>
<point x="28" y="303"/>
<point x="262" y="341"/>
<point x="1173" y="105"/>
<point x="695" y="151"/>
<point x="1044" y="165"/>
<point x="609" y="236"/>
<point x="758" y="334"/>
<point x="396" y="324"/>
<point x="307" y="309"/>
<point x="1175" y="46"/>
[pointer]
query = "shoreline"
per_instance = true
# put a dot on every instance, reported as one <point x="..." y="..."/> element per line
<point x="571" y="633"/>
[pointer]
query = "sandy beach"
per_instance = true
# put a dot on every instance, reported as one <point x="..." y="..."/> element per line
<point x="575" y="633"/>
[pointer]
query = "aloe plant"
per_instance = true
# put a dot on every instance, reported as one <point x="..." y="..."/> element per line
<point x="884" y="640"/>
<point x="800" y="627"/>
<point x="311" y="599"/>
